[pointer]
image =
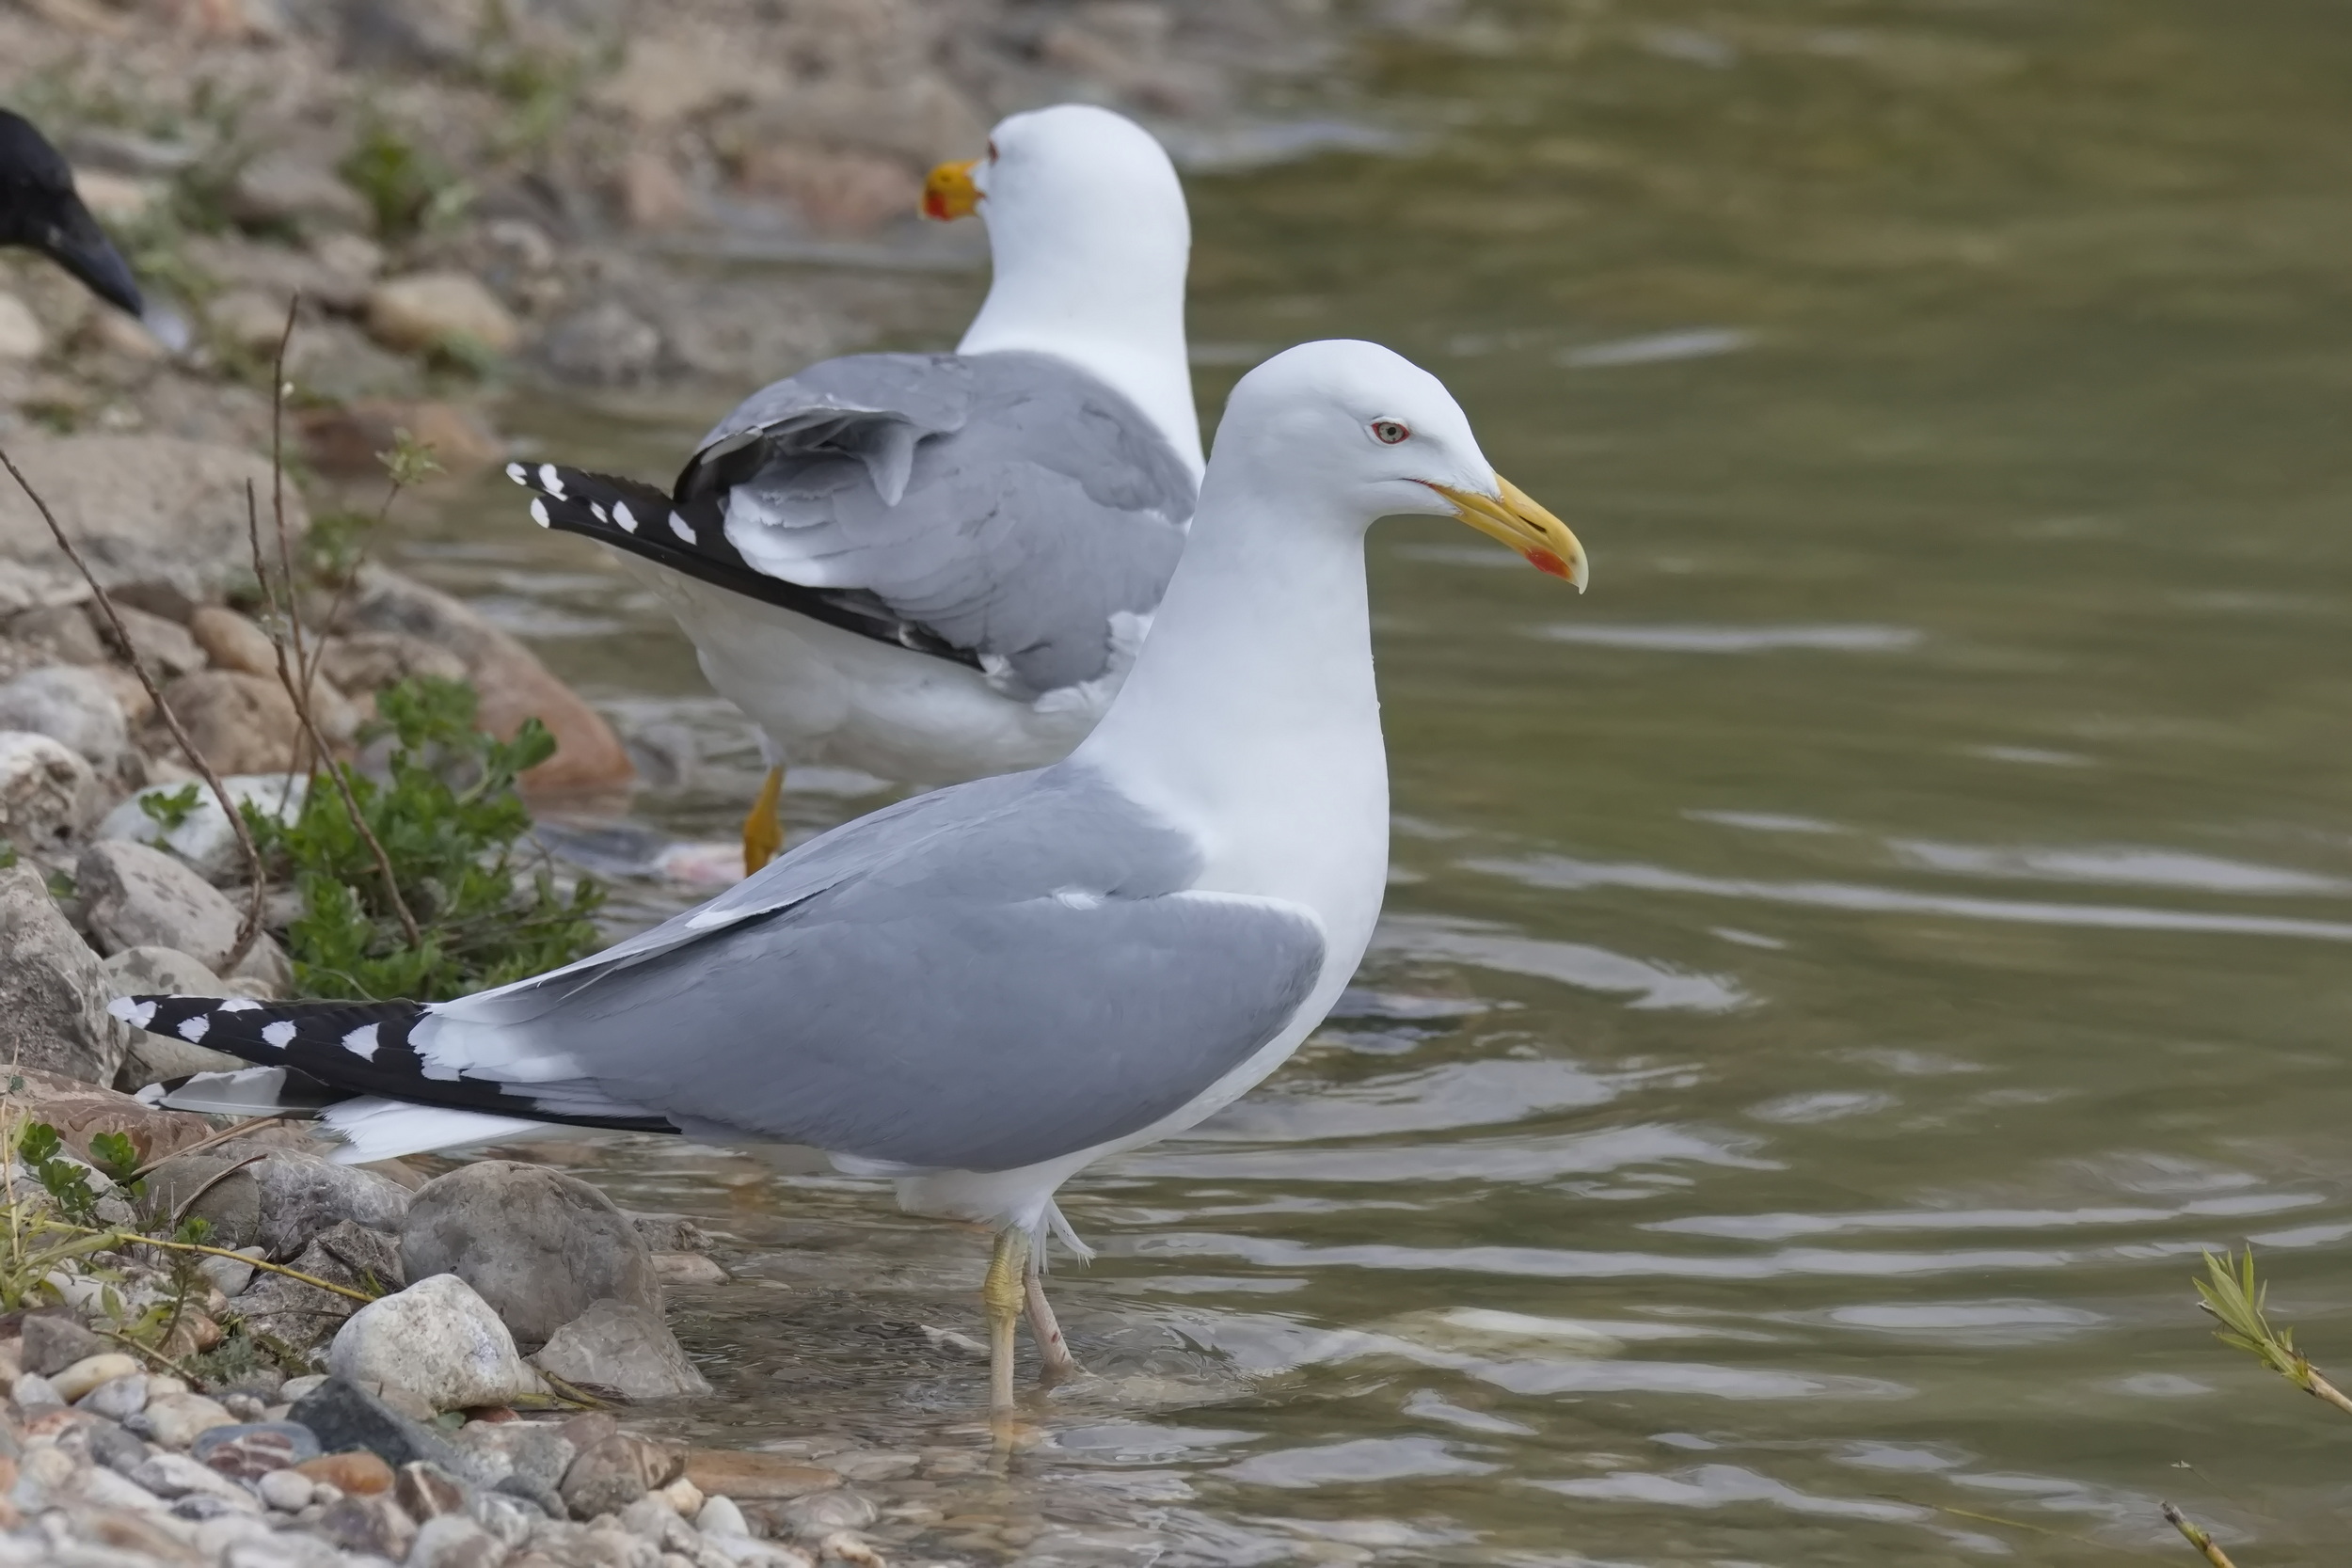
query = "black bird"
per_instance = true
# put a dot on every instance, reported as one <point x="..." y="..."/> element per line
<point x="39" y="209"/>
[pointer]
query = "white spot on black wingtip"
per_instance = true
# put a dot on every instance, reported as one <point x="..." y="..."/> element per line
<point x="239" y="1004"/>
<point x="194" y="1029"/>
<point x="519" y="474"/>
<point x="597" y="507"/>
<point x="361" y="1042"/>
<point x="622" y="515"/>
<point x="551" y="481"/>
<point x="679" y="527"/>
<point x="279" y="1033"/>
<point x="540" y="513"/>
<point x="138" y="1015"/>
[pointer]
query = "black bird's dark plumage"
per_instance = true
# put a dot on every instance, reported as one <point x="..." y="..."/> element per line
<point x="39" y="211"/>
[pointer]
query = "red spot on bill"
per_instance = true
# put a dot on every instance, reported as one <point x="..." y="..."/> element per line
<point x="1544" y="560"/>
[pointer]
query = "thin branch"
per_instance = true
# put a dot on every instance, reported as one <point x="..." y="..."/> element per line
<point x="214" y="1142"/>
<point x="155" y="1355"/>
<point x="181" y="1212"/>
<point x="249" y="929"/>
<point x="2197" y="1538"/>
<point x="327" y="762"/>
<point x="278" y="483"/>
<point x="123" y="1238"/>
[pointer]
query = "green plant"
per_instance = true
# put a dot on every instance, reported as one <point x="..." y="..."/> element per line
<point x="171" y="810"/>
<point x="449" y="818"/>
<point x="2239" y="1302"/>
<point x="407" y="187"/>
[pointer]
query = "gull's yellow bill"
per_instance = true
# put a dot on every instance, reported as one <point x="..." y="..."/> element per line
<point x="1516" y="518"/>
<point x="948" y="192"/>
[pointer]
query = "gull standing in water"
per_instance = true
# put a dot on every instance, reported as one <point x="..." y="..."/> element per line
<point x="979" y="991"/>
<point x="934" y="567"/>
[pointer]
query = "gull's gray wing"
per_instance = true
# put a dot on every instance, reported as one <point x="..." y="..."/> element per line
<point x="979" y="979"/>
<point x="1005" y="507"/>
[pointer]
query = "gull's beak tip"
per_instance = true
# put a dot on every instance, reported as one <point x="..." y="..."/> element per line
<point x="948" y="192"/>
<point x="1514" y="517"/>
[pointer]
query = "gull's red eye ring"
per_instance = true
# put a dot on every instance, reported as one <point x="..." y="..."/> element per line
<point x="1389" y="431"/>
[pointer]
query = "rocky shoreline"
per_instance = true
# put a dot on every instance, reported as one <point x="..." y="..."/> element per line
<point x="471" y="194"/>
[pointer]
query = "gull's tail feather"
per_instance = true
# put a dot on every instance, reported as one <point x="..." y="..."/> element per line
<point x="690" y="537"/>
<point x="368" y="1050"/>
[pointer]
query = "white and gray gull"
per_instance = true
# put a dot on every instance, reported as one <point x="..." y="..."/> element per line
<point x="938" y="567"/>
<point x="981" y="991"/>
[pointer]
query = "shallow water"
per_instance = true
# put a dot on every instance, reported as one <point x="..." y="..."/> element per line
<point x="1840" y="972"/>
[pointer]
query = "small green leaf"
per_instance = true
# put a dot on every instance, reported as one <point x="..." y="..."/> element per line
<point x="170" y="810"/>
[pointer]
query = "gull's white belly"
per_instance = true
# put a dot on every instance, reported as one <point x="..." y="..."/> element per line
<point x="826" y="696"/>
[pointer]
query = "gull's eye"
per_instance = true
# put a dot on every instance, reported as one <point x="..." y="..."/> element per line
<point x="992" y="150"/>
<point x="1389" y="431"/>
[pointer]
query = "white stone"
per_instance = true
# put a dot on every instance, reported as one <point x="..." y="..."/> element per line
<point x="70" y="704"/>
<point x="218" y="1534"/>
<point x="436" y="1340"/>
<point x="204" y="838"/>
<point x="91" y="1370"/>
<point x="177" y="1418"/>
<point x="287" y="1491"/>
<point x="21" y="337"/>
<point x="46" y="790"/>
<point x="720" y="1516"/>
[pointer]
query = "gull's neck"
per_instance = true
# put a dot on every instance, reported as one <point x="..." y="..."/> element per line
<point x="1111" y="299"/>
<point x="1250" y="719"/>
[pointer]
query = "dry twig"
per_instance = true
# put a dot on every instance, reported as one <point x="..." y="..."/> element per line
<point x="214" y="1142"/>
<point x="2197" y="1538"/>
<point x="297" y="691"/>
<point x="249" y="929"/>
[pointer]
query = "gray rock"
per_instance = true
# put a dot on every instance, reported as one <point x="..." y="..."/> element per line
<point x="436" y="1340"/>
<point x="241" y="724"/>
<point x="537" y="1451"/>
<point x="32" y="1392"/>
<point x="116" y="1399"/>
<point x="230" y="1275"/>
<point x="53" y="1342"/>
<point x="280" y="1203"/>
<point x="139" y="897"/>
<point x="343" y="1416"/>
<point x="204" y="838"/>
<point x="615" y="1472"/>
<point x="72" y="706"/>
<point x="820" y="1513"/>
<point x="455" y="1541"/>
<point x="115" y="1448"/>
<point x="283" y="187"/>
<point x="62" y="631"/>
<point x="425" y="1491"/>
<point x="624" y="1349"/>
<point x="605" y="345"/>
<point x="53" y="992"/>
<point x="47" y="792"/>
<point x="373" y="1525"/>
<point x="163" y="644"/>
<point x="539" y="1246"/>
<point x="144" y="508"/>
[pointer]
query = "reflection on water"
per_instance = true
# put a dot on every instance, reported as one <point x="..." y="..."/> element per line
<point x="1840" y="975"/>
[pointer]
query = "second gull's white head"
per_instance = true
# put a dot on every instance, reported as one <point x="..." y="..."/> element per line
<point x="1089" y="238"/>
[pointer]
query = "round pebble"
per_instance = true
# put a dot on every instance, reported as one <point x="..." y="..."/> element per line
<point x="287" y="1491"/>
<point x="116" y="1398"/>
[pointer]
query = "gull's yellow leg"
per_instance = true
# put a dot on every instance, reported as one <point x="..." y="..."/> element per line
<point x="763" y="829"/>
<point x="1051" y="1349"/>
<point x="1003" y="1295"/>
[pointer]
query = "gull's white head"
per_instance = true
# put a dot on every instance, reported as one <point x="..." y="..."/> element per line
<point x="1348" y="432"/>
<point x="1089" y="238"/>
